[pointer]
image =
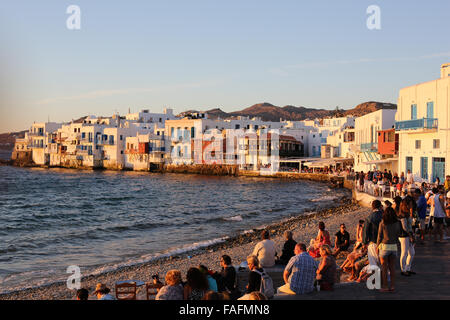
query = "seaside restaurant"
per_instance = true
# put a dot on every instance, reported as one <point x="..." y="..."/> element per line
<point x="318" y="165"/>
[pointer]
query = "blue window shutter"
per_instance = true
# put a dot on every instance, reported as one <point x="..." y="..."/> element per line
<point x="430" y="110"/>
<point x="413" y="111"/>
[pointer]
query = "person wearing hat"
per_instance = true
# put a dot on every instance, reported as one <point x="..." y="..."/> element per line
<point x="102" y="292"/>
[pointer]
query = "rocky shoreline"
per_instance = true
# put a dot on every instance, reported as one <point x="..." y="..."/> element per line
<point x="304" y="227"/>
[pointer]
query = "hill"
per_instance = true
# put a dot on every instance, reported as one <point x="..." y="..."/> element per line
<point x="7" y="140"/>
<point x="270" y="112"/>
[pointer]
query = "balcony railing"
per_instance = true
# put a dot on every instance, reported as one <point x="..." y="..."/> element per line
<point x="105" y="143"/>
<point x="36" y="134"/>
<point x="84" y="152"/>
<point x="416" y="124"/>
<point x="369" y="147"/>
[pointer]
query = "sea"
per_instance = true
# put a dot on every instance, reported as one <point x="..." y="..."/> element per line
<point x="51" y="219"/>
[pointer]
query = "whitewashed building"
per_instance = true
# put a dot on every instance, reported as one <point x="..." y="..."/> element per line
<point x="423" y="125"/>
<point x="365" y="151"/>
<point x="40" y="137"/>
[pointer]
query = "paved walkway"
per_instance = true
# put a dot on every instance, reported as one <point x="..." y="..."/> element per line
<point x="432" y="281"/>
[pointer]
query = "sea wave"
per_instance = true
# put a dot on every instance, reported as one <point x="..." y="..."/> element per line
<point x="46" y="277"/>
<point x="324" y="198"/>
<point x="152" y="257"/>
<point x="234" y="218"/>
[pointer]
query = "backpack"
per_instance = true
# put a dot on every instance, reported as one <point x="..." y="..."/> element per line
<point x="266" y="284"/>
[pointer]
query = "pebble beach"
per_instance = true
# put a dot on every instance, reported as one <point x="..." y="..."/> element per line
<point x="304" y="228"/>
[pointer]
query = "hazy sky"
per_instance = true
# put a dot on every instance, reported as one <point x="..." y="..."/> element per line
<point x="205" y="54"/>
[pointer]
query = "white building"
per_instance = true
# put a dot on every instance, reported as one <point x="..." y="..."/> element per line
<point x="145" y="152"/>
<point x="342" y="142"/>
<point x="423" y="125"/>
<point x="145" y="116"/>
<point x="40" y="136"/>
<point x="365" y="150"/>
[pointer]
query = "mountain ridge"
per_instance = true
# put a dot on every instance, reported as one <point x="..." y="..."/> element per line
<point x="270" y="112"/>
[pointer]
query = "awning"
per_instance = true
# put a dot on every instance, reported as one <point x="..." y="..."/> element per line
<point x="299" y="160"/>
<point x="327" y="162"/>
<point x="381" y="161"/>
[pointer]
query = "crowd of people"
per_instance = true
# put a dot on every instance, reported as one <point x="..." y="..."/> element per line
<point x="391" y="227"/>
<point x="201" y="284"/>
<point x="385" y="183"/>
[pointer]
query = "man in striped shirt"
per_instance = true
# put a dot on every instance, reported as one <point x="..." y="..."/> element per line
<point x="300" y="272"/>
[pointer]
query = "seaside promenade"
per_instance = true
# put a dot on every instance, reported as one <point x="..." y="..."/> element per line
<point x="432" y="281"/>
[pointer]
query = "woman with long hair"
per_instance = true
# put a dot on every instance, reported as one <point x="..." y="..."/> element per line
<point x="323" y="238"/>
<point x="397" y="202"/>
<point x="388" y="233"/>
<point x="197" y="285"/>
<point x="406" y="236"/>
<point x="326" y="273"/>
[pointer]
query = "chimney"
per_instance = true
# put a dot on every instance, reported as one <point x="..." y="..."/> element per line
<point x="445" y="70"/>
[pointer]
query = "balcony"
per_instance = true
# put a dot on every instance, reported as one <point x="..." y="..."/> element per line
<point x="388" y="142"/>
<point x="369" y="147"/>
<point x="84" y="152"/>
<point x="36" y="134"/>
<point x="417" y="124"/>
<point x="106" y="143"/>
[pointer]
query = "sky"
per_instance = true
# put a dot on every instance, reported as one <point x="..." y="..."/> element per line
<point x="205" y="54"/>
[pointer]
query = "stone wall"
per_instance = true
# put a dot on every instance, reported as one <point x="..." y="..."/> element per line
<point x="215" y="170"/>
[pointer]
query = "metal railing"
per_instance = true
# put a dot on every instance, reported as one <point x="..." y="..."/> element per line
<point x="371" y="146"/>
<point x="424" y="123"/>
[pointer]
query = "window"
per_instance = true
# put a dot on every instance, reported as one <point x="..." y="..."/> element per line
<point x="417" y="144"/>
<point x="424" y="168"/>
<point x="409" y="164"/>
<point x="121" y="137"/>
<point x="436" y="143"/>
<point x="430" y="110"/>
<point x="413" y="111"/>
